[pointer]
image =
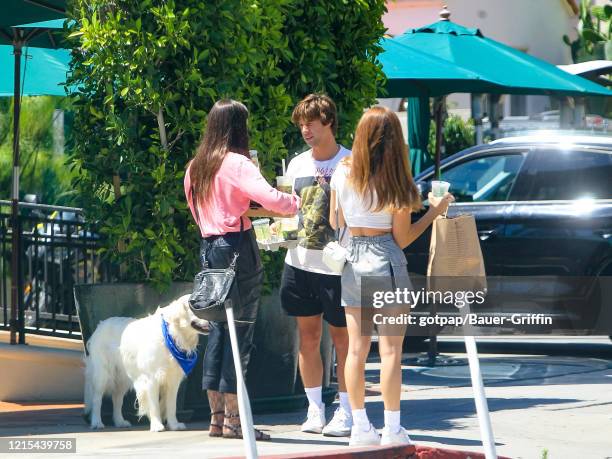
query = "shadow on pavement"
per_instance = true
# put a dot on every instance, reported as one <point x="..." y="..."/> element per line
<point x="448" y="440"/>
<point x="301" y="441"/>
<point x="439" y="413"/>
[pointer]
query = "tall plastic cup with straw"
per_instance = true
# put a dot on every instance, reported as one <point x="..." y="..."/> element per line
<point x="284" y="183"/>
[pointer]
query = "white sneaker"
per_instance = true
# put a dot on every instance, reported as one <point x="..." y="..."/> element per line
<point x="340" y="425"/>
<point x="315" y="420"/>
<point x="390" y="438"/>
<point x="360" y="437"/>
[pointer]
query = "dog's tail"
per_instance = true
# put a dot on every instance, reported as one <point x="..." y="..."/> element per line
<point x="88" y="388"/>
<point x="96" y="367"/>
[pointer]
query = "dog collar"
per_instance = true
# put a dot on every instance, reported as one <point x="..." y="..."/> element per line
<point x="185" y="360"/>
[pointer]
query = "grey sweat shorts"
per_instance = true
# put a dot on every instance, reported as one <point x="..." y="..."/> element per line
<point x="373" y="256"/>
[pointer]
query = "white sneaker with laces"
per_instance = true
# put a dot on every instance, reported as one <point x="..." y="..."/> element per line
<point x="360" y="437"/>
<point x="340" y="425"/>
<point x="399" y="437"/>
<point x="315" y="419"/>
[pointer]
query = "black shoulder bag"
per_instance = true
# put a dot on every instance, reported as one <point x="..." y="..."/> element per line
<point x="211" y="287"/>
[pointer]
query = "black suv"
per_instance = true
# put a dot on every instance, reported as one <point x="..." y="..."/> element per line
<point x="542" y="204"/>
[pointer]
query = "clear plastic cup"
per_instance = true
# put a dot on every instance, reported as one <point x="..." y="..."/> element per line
<point x="262" y="229"/>
<point x="439" y="188"/>
<point x="287" y="227"/>
<point x="284" y="184"/>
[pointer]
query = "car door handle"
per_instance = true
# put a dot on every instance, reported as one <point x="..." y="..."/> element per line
<point x="606" y="234"/>
<point x="486" y="234"/>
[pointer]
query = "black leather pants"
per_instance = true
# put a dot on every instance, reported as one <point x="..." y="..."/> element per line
<point x="219" y="373"/>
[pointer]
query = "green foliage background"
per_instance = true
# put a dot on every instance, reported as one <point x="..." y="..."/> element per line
<point x="458" y="135"/>
<point x="593" y="42"/>
<point x="150" y="70"/>
<point x="594" y="30"/>
<point x="42" y="172"/>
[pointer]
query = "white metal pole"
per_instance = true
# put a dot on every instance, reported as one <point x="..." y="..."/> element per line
<point x="482" y="408"/>
<point x="244" y="406"/>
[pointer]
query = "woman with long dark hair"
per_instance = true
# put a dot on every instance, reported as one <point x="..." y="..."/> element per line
<point x="220" y="182"/>
<point x="375" y="195"/>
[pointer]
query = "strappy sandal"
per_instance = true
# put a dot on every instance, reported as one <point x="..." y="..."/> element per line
<point x="235" y="431"/>
<point x="215" y="430"/>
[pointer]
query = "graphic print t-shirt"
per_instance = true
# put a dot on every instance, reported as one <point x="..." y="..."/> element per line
<point x="311" y="182"/>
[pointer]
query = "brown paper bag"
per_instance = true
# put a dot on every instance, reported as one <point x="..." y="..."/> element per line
<point x="455" y="252"/>
<point x="455" y="248"/>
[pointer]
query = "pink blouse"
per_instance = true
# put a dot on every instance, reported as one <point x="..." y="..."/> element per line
<point x="237" y="182"/>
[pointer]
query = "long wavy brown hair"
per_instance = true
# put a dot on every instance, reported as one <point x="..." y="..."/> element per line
<point x="379" y="167"/>
<point x="226" y="130"/>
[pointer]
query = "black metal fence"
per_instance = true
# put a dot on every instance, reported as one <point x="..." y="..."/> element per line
<point x="58" y="250"/>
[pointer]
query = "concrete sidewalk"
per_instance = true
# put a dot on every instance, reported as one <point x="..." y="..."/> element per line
<point x="559" y="403"/>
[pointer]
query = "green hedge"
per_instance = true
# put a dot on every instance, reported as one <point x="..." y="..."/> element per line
<point x="149" y="71"/>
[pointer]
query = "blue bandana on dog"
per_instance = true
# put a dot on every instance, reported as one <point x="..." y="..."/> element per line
<point x="186" y="361"/>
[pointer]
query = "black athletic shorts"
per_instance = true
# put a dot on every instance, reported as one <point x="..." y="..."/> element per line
<point x="305" y="294"/>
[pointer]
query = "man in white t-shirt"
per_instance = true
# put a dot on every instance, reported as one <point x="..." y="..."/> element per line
<point x="310" y="291"/>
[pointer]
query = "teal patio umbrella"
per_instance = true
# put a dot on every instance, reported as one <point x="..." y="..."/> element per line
<point x="411" y="72"/>
<point x="414" y="72"/>
<point x="498" y="69"/>
<point x="510" y="70"/>
<point x="43" y="71"/>
<point x="16" y="12"/>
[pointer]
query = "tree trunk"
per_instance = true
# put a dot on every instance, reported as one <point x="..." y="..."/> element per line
<point x="162" y="129"/>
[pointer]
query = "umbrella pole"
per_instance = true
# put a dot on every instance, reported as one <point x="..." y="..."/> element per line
<point x="16" y="325"/>
<point x="438" y="103"/>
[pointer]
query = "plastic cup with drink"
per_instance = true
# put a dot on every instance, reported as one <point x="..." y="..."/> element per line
<point x="262" y="229"/>
<point x="284" y="184"/>
<point x="439" y="188"/>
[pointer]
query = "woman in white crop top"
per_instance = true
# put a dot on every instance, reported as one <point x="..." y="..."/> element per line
<point x="375" y="194"/>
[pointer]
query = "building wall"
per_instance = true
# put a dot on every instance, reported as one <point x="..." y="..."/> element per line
<point x="534" y="26"/>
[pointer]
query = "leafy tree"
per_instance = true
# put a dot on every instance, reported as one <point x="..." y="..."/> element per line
<point x="42" y="172"/>
<point x="594" y="33"/>
<point x="148" y="72"/>
<point x="332" y="46"/>
<point x="594" y="42"/>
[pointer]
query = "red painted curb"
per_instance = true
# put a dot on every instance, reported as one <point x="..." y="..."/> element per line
<point x="369" y="452"/>
<point x="382" y="452"/>
<point x="429" y="452"/>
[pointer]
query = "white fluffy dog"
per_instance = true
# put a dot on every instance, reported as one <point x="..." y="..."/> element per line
<point x="126" y="352"/>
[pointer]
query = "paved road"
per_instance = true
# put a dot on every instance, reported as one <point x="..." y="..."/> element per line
<point x="556" y="398"/>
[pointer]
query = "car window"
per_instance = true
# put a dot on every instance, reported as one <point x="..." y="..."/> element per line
<point x="570" y="175"/>
<point x="483" y="179"/>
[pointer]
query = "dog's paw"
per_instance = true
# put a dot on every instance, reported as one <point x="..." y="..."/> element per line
<point x="123" y="423"/>
<point x="97" y="424"/>
<point x="177" y="426"/>
<point x="157" y="426"/>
